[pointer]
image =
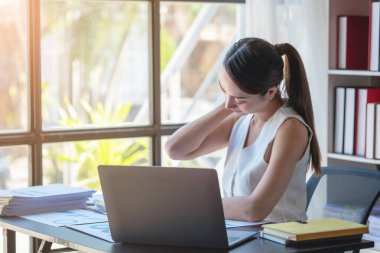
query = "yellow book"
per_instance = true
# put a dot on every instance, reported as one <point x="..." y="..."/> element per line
<point x="314" y="229"/>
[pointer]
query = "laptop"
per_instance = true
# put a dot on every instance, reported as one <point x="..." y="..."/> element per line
<point x="166" y="206"/>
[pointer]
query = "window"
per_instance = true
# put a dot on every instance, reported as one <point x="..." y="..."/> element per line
<point x="88" y="82"/>
<point x="105" y="82"/>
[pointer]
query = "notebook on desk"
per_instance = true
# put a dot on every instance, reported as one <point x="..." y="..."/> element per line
<point x="166" y="206"/>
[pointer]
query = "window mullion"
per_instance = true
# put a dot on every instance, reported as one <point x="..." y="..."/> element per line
<point x="156" y="83"/>
<point x="34" y="74"/>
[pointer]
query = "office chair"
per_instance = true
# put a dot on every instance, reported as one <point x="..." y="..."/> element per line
<point x="342" y="192"/>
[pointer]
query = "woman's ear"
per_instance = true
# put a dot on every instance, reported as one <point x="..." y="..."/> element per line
<point x="271" y="93"/>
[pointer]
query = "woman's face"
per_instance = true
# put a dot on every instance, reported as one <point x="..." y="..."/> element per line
<point x="237" y="100"/>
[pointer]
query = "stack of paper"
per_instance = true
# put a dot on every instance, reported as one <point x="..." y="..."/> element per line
<point x="312" y="231"/>
<point x="42" y="198"/>
<point x="374" y="230"/>
<point x="344" y="212"/>
<point x="96" y="203"/>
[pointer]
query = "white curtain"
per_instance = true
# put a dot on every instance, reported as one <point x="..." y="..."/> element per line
<point x="304" y="24"/>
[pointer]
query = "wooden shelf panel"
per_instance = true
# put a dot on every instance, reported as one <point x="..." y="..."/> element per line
<point x="352" y="158"/>
<point x="353" y="72"/>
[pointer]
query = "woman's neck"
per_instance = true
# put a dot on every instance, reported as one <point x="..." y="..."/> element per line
<point x="272" y="107"/>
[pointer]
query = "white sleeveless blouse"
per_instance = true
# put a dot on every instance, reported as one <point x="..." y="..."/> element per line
<point x="245" y="166"/>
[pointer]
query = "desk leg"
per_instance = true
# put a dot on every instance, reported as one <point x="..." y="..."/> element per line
<point x="9" y="241"/>
<point x="44" y="247"/>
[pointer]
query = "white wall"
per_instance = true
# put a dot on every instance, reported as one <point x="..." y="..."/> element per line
<point x="304" y="24"/>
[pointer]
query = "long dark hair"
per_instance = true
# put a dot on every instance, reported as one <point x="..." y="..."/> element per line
<point x="255" y="66"/>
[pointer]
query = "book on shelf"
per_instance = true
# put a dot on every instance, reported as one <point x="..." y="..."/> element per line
<point x="370" y="131"/>
<point x="314" y="229"/>
<point x="364" y="96"/>
<point x="377" y="127"/>
<point x="349" y="121"/>
<point x="340" y="96"/>
<point x="355" y="126"/>
<point x="374" y="33"/>
<point x="288" y="242"/>
<point x="42" y="198"/>
<point x="353" y="42"/>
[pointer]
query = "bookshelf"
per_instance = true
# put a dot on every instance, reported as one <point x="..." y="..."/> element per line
<point x="349" y="78"/>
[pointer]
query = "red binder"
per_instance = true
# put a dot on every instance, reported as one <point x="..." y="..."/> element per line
<point x="353" y="42"/>
<point x="364" y="96"/>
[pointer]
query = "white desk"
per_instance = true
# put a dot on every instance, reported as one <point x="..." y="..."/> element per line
<point x="90" y="244"/>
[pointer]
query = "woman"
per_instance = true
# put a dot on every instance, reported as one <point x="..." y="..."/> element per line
<point x="269" y="133"/>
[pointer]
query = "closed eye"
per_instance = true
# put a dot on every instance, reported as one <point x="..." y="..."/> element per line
<point x="238" y="100"/>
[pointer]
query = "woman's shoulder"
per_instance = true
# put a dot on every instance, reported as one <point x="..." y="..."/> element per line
<point x="292" y="122"/>
<point x="288" y="111"/>
<point x="295" y="131"/>
<point x="289" y="114"/>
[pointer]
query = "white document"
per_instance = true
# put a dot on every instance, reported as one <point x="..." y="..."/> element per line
<point x="42" y="198"/>
<point x="370" y="131"/>
<point x="100" y="230"/>
<point x="66" y="218"/>
<point x="377" y="132"/>
<point x="342" y="42"/>
<point x="361" y="118"/>
<point x="238" y="223"/>
<point x="349" y="121"/>
<point x="45" y="192"/>
<point x="374" y="55"/>
<point x="340" y="96"/>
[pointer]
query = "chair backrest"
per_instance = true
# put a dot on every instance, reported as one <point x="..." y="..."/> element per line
<point x="342" y="192"/>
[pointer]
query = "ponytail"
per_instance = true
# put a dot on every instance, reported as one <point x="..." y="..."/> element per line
<point x="297" y="90"/>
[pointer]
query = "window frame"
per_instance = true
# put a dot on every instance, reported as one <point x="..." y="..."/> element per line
<point x="35" y="136"/>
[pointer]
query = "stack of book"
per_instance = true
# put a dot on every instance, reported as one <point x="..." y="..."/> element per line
<point x="43" y="198"/>
<point x="313" y="231"/>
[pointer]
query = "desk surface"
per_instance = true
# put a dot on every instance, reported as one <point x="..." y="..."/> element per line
<point x="87" y="243"/>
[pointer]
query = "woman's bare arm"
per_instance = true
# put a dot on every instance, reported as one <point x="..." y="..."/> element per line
<point x="202" y="136"/>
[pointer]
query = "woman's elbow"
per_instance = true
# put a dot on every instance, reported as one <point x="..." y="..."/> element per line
<point x="256" y="211"/>
<point x="254" y="216"/>
<point x="174" y="155"/>
<point x="170" y="151"/>
<point x="174" y="152"/>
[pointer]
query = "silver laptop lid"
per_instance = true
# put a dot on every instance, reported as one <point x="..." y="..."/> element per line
<point x="161" y="205"/>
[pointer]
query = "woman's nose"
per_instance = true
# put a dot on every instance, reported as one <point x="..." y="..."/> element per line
<point x="230" y="102"/>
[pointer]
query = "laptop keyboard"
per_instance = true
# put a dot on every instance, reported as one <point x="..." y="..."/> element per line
<point x="234" y="236"/>
<point x="232" y="239"/>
